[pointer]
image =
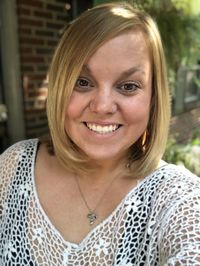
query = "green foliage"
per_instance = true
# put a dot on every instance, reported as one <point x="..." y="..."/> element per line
<point x="196" y="138"/>
<point x="187" y="155"/>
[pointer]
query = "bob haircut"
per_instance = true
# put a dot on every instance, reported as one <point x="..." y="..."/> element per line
<point x="80" y="40"/>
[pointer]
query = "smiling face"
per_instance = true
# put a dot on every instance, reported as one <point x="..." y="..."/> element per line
<point x="110" y="105"/>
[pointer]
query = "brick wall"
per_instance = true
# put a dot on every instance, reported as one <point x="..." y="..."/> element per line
<point x="40" y="23"/>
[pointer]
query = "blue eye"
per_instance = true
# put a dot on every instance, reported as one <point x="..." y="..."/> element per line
<point x="83" y="84"/>
<point x="128" y="87"/>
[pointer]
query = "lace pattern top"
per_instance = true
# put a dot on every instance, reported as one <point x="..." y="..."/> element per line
<point x="157" y="223"/>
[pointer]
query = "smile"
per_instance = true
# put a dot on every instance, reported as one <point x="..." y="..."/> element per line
<point x="102" y="129"/>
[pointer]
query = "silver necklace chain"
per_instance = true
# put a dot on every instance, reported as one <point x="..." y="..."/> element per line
<point x="92" y="215"/>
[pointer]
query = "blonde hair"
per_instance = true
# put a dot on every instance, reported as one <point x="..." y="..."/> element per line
<point x="79" y="41"/>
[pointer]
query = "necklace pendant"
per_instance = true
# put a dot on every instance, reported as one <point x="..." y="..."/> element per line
<point x="92" y="217"/>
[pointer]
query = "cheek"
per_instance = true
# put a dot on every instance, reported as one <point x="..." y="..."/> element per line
<point x="74" y="107"/>
<point x="137" y="111"/>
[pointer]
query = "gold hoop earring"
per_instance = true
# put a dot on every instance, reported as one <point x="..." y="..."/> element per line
<point x="144" y="138"/>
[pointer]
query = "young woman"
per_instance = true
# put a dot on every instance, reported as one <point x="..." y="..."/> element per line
<point x="97" y="193"/>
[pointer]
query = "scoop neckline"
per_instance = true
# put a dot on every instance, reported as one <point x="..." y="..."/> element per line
<point x="96" y="228"/>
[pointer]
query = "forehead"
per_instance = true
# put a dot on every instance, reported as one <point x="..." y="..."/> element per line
<point x="132" y="41"/>
<point x="125" y="50"/>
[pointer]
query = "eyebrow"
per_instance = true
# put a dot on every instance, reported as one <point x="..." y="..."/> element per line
<point x="131" y="71"/>
<point x="86" y="69"/>
<point x="124" y="74"/>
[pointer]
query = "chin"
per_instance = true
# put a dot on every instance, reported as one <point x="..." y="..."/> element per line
<point x="105" y="156"/>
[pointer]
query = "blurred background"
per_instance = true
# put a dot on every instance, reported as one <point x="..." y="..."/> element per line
<point x="29" y="32"/>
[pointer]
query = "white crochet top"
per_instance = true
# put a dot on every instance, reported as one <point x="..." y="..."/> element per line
<point x="157" y="223"/>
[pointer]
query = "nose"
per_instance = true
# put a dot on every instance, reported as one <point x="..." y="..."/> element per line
<point x="103" y="102"/>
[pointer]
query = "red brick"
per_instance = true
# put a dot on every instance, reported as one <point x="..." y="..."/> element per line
<point x="38" y="77"/>
<point x="25" y="31"/>
<point x="31" y="41"/>
<point x="42" y="68"/>
<point x="43" y="14"/>
<point x="31" y="3"/>
<point x="53" y="25"/>
<point x="45" y="33"/>
<point x="63" y="17"/>
<point x="34" y="59"/>
<point x="26" y="50"/>
<point x="27" y="68"/>
<point x="31" y="22"/>
<point x="43" y="51"/>
<point x="55" y="7"/>
<point x="23" y="11"/>
<point x="61" y="1"/>
<point x="52" y="43"/>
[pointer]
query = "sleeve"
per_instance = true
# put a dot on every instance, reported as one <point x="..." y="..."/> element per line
<point x="179" y="237"/>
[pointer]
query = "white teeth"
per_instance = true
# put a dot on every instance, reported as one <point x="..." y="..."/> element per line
<point x="102" y="129"/>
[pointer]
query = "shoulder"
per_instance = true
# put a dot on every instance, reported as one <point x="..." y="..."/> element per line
<point x="13" y="164"/>
<point x="10" y="157"/>
<point x="171" y="180"/>
<point x="180" y="174"/>
<point x="172" y="185"/>
<point x="19" y="146"/>
<point x="172" y="175"/>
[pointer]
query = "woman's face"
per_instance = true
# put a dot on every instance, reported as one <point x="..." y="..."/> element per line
<point x="110" y="105"/>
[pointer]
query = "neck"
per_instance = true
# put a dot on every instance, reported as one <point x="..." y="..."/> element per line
<point x="105" y="172"/>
